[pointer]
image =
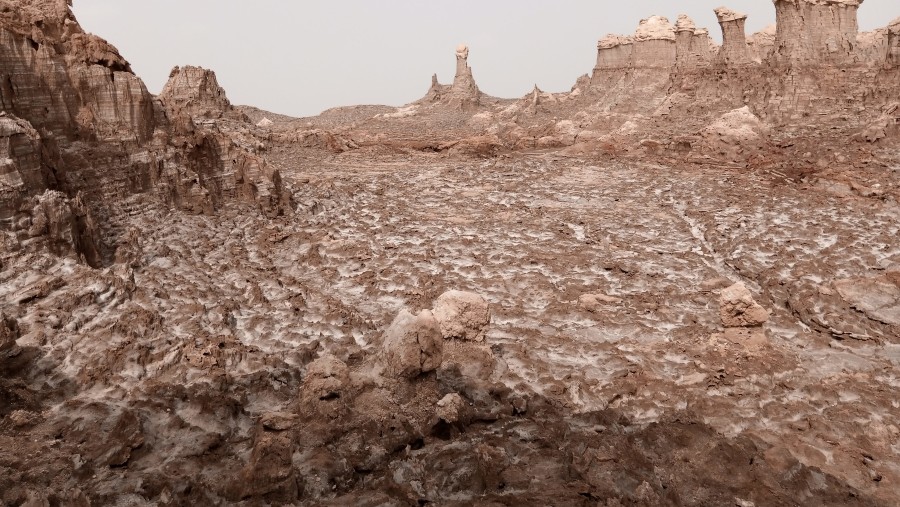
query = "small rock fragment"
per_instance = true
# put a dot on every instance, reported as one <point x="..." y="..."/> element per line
<point x="450" y="408"/>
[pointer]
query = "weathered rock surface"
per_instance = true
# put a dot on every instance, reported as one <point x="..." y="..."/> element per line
<point x="738" y="308"/>
<point x="9" y="332"/>
<point x="413" y="344"/>
<point x="462" y="315"/>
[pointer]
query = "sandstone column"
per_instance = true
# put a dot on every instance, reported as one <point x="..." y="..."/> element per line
<point x="734" y="50"/>
<point x="464" y="86"/>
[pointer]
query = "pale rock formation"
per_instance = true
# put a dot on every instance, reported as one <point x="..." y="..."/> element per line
<point x="9" y="333"/>
<point x="734" y="50"/>
<point x="614" y="52"/>
<point x="816" y="30"/>
<point x="694" y="47"/>
<point x="21" y="171"/>
<point x="463" y="92"/>
<point x="654" y="44"/>
<point x="893" y="43"/>
<point x="737" y="308"/>
<point x="877" y="298"/>
<point x="265" y="123"/>
<point x="413" y="344"/>
<point x="464" y="88"/>
<point x="871" y="47"/>
<point x="462" y="315"/>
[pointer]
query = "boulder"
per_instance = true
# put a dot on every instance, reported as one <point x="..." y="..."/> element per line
<point x="413" y="344"/>
<point x="738" y="308"/>
<point x="462" y="315"/>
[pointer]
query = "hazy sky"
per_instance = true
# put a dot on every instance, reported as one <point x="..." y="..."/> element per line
<point x="299" y="57"/>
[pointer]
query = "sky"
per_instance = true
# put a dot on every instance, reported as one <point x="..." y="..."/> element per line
<point x="300" y="57"/>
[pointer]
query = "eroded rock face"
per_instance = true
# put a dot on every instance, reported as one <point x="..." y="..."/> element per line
<point x="413" y="344"/>
<point x="462" y="315"/>
<point x="21" y="171"/>
<point x="893" y="44"/>
<point x="9" y="332"/>
<point x="739" y="309"/>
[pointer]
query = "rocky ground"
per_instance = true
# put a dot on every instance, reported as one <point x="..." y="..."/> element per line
<point x="606" y="375"/>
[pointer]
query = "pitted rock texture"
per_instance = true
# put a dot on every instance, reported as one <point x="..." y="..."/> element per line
<point x="462" y="315"/>
<point x="739" y="309"/>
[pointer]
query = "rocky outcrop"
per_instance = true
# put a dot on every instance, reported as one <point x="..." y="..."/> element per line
<point x="76" y="120"/>
<point x="735" y="135"/>
<point x="463" y="92"/>
<point x="816" y="31"/>
<point x="654" y="44"/>
<point x="734" y="50"/>
<point x="892" y="57"/>
<point x="21" y="171"/>
<point x="55" y="223"/>
<point x="194" y="92"/>
<point x="694" y="47"/>
<point x="762" y="44"/>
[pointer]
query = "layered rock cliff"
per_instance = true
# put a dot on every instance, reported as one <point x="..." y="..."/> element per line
<point x="77" y="120"/>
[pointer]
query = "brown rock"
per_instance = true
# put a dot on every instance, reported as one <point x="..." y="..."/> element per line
<point x="739" y="309"/>
<point x="462" y="315"/>
<point x="413" y="344"/>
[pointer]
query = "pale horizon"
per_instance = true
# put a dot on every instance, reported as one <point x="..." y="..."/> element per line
<point x="302" y="58"/>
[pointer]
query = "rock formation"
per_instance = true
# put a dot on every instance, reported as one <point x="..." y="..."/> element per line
<point x="9" y="333"/>
<point x="734" y="49"/>
<point x="654" y="44"/>
<point x="893" y="44"/>
<point x="194" y="92"/>
<point x="463" y="93"/>
<point x="816" y="31"/>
